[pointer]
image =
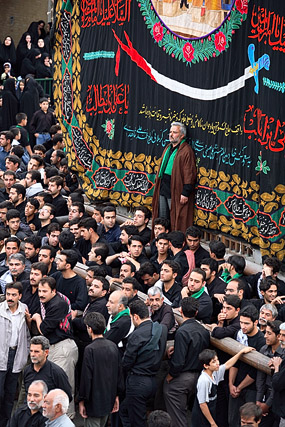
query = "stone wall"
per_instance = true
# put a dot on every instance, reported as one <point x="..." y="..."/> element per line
<point x="16" y="16"/>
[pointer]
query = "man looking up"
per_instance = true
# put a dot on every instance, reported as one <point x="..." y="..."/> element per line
<point x="69" y="283"/>
<point x="174" y="186"/>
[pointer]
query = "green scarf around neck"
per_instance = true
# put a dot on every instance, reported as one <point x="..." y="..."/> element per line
<point x="199" y="293"/>
<point x="168" y="159"/>
<point x="125" y="312"/>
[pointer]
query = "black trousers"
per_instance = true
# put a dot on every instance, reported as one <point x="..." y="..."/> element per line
<point x="8" y="387"/>
<point x="139" y="389"/>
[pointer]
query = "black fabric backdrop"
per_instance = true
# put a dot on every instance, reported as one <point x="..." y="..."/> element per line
<point x="122" y="77"/>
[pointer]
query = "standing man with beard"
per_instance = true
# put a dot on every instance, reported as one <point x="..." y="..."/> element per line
<point x="175" y="182"/>
<point x="30" y="415"/>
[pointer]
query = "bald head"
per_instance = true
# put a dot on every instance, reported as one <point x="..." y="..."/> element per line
<point x="55" y="404"/>
<point x="117" y="302"/>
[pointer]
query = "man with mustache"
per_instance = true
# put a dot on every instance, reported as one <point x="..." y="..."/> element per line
<point x="31" y="413"/>
<point x="14" y="344"/>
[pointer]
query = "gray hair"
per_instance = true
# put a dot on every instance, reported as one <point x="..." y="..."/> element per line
<point x="282" y="326"/>
<point x="42" y="383"/>
<point x="271" y="308"/>
<point x="182" y="127"/>
<point x="41" y="340"/>
<point x="154" y="290"/>
<point x="124" y="300"/>
<point x="18" y="257"/>
<point x="61" y="398"/>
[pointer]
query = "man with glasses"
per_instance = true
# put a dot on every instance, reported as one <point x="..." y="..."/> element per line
<point x="46" y="215"/>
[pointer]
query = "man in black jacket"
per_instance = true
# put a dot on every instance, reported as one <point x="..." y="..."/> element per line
<point x="190" y="339"/>
<point x="101" y="379"/>
<point x="119" y="325"/>
<point x="54" y="322"/>
<point x="141" y="362"/>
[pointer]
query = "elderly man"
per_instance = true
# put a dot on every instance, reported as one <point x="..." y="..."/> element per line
<point x="174" y="186"/>
<point x="55" y="407"/>
<point x="31" y="414"/>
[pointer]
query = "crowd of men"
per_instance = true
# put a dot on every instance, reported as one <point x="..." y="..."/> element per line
<point x="93" y="344"/>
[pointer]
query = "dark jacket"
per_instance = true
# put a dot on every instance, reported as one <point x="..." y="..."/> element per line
<point x="101" y="377"/>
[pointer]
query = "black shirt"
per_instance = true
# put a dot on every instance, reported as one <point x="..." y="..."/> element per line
<point x="173" y="294"/>
<point x="23" y="418"/>
<point x="165" y="316"/>
<point x="205" y="309"/>
<point x="217" y="286"/>
<point x="256" y="341"/>
<point x="41" y="122"/>
<point x="60" y="205"/>
<point x="139" y="358"/>
<point x="74" y="289"/>
<point x="52" y="374"/>
<point x="30" y="299"/>
<point x="145" y="235"/>
<point x="199" y="255"/>
<point x="181" y="259"/>
<point x="101" y="378"/>
<point x="118" y="329"/>
<point x="191" y="338"/>
<point x="229" y="329"/>
<point x="57" y="309"/>
<point x="97" y="305"/>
